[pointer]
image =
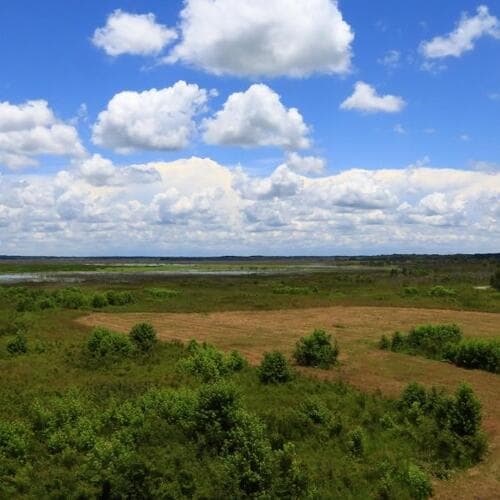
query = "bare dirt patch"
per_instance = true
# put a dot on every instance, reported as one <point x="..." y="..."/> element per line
<point x="362" y="364"/>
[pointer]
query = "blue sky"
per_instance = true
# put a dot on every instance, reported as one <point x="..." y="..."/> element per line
<point x="444" y="114"/>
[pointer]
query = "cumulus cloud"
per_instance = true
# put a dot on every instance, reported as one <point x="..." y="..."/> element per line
<point x="366" y="99"/>
<point x="30" y="130"/>
<point x="99" y="171"/>
<point x="256" y="117"/>
<point x="264" y="37"/>
<point x="151" y="120"/>
<point x="463" y="38"/>
<point x="305" y="165"/>
<point x="196" y="205"/>
<point x="136" y="34"/>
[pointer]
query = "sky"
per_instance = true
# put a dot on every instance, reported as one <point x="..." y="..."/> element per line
<point x="270" y="127"/>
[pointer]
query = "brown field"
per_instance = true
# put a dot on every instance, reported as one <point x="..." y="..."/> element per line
<point x="362" y="364"/>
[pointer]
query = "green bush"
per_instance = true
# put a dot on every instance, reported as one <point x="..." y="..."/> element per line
<point x="384" y="343"/>
<point x="432" y="340"/>
<point x="316" y="350"/>
<point x="447" y="428"/>
<point x="116" y="298"/>
<point x="18" y="345"/>
<point x="397" y="341"/>
<point x="356" y="442"/>
<point x="217" y="413"/>
<point x="274" y="368"/>
<point x="418" y="483"/>
<point x="248" y="455"/>
<point x="441" y="291"/>
<point x="14" y="439"/>
<point x="143" y="335"/>
<point x="70" y="298"/>
<point x="209" y="363"/>
<point x="475" y="354"/>
<point x="104" y="343"/>
<point x="235" y="361"/>
<point x="410" y="291"/>
<point x="99" y="300"/>
<point x="466" y="416"/>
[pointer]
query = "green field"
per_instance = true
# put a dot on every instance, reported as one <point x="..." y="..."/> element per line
<point x="133" y="424"/>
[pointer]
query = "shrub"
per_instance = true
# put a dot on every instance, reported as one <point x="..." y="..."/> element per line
<point x="274" y="368"/>
<point x="289" y="478"/>
<point x="13" y="439"/>
<point x="495" y="280"/>
<point x="316" y="350"/>
<point x="18" y="345"/>
<point x="249" y="455"/>
<point x="432" y="340"/>
<point x="70" y="298"/>
<point x="476" y="354"/>
<point x="119" y="298"/>
<point x="104" y="343"/>
<point x="209" y="363"/>
<point x="413" y="394"/>
<point x="315" y="410"/>
<point x="143" y="335"/>
<point x="418" y="483"/>
<point x="441" y="291"/>
<point x="47" y="303"/>
<point x="216" y="413"/>
<point x="205" y="361"/>
<point x="410" y="291"/>
<point x="466" y="416"/>
<point x="235" y="361"/>
<point x="397" y="342"/>
<point x="99" y="300"/>
<point x="356" y="442"/>
<point x="384" y="343"/>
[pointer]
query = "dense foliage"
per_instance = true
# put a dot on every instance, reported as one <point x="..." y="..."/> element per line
<point x="317" y="350"/>
<point x="446" y="342"/>
<point x="274" y="368"/>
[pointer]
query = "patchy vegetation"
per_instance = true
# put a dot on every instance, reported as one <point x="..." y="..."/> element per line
<point x="446" y="342"/>
<point x="102" y="414"/>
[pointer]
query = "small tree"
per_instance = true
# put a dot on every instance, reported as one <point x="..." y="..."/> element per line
<point x="143" y="335"/>
<point x="466" y="416"/>
<point x="274" y="368"/>
<point x="316" y="350"/>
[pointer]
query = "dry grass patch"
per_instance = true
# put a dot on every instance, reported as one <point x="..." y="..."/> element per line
<point x="357" y="330"/>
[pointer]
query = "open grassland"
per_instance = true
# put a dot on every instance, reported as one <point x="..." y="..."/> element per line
<point x="357" y="329"/>
<point x="252" y="314"/>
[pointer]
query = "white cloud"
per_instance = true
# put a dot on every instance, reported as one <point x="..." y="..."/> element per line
<point x="366" y="99"/>
<point x="391" y="59"/>
<point x="30" y="130"/>
<point x="198" y="206"/>
<point x="99" y="171"/>
<point x="305" y="165"/>
<point x="264" y="37"/>
<point x="257" y="117"/>
<point x="463" y="38"/>
<point x="150" y="120"/>
<point x="136" y="34"/>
